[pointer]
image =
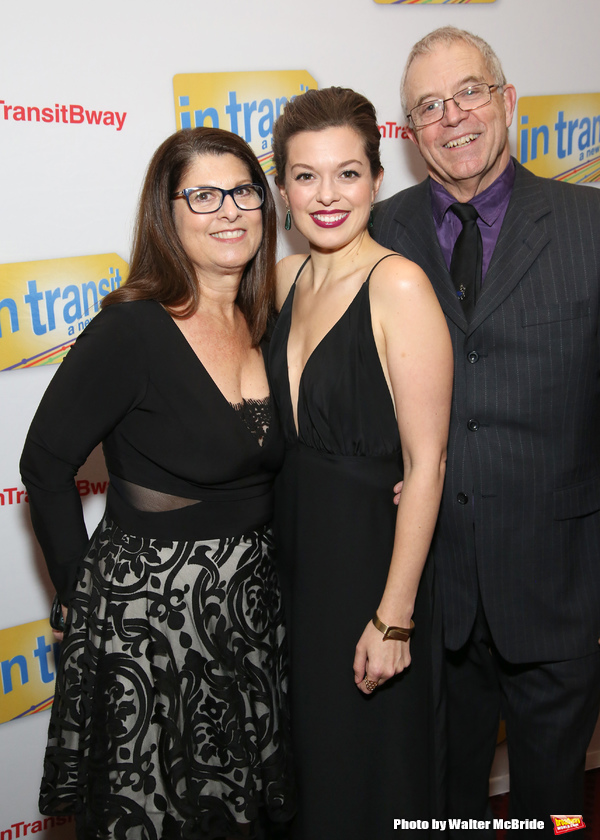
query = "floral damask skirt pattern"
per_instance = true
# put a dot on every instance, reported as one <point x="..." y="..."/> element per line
<point x="170" y="716"/>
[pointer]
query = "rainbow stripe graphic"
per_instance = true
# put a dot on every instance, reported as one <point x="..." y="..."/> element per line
<point x="53" y="356"/>
<point x="586" y="173"/>
<point x="40" y="707"/>
<point x="423" y="2"/>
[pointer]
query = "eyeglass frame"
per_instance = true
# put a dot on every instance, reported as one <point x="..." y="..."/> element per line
<point x="185" y="193"/>
<point x="450" y="99"/>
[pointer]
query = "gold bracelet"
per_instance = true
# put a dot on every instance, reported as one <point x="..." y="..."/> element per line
<point x="401" y="634"/>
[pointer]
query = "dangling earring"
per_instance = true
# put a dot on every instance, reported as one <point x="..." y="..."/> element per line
<point x="288" y="220"/>
<point x="371" y="218"/>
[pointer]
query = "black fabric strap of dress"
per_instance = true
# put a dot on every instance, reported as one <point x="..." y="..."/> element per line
<point x="467" y="258"/>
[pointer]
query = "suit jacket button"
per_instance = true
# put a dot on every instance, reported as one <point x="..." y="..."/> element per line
<point x="473" y="356"/>
<point x="473" y="425"/>
<point x="462" y="498"/>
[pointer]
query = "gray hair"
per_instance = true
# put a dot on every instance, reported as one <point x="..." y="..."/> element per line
<point x="447" y="35"/>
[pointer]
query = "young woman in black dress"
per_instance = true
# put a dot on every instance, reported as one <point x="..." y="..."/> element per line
<point x="361" y="371"/>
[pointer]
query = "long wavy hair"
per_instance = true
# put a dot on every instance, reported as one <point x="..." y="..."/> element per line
<point x="160" y="268"/>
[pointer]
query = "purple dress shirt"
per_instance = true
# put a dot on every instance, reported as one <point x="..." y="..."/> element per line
<point x="491" y="204"/>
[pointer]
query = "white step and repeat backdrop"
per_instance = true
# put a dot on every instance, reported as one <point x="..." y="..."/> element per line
<point x="87" y="92"/>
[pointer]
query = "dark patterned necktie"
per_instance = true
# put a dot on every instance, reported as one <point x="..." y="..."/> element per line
<point x="467" y="257"/>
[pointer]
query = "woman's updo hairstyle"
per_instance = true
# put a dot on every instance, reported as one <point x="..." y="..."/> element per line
<point x="330" y="107"/>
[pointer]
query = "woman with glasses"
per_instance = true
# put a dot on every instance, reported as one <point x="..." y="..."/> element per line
<point x="170" y="713"/>
<point x="361" y="371"/>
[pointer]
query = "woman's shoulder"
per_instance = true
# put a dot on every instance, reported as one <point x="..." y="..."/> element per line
<point x="132" y="309"/>
<point x="399" y="292"/>
<point x="287" y="271"/>
<point x="123" y="325"/>
<point x="392" y="274"/>
<point x="136" y="315"/>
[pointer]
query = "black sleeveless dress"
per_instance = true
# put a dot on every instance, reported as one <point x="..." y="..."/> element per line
<point x="362" y="762"/>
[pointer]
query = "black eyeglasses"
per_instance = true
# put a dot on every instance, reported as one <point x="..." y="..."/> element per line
<point x="469" y="99"/>
<point x="210" y="199"/>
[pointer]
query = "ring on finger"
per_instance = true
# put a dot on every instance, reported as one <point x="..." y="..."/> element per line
<point x="371" y="685"/>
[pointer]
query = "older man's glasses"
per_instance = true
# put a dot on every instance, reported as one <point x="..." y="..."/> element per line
<point x="210" y="199"/>
<point x="469" y="99"/>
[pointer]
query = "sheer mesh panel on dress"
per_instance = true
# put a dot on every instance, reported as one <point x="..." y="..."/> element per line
<point x="147" y="500"/>
<point x="256" y="415"/>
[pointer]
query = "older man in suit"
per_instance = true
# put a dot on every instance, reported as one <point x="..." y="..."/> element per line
<point x="515" y="262"/>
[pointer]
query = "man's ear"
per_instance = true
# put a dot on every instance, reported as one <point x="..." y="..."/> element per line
<point x="413" y="136"/>
<point x="510" y="101"/>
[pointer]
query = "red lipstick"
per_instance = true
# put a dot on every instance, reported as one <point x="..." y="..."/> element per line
<point x="330" y="218"/>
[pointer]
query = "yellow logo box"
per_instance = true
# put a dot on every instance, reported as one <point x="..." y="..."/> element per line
<point x="46" y="304"/>
<point x="28" y="657"/>
<point x="431" y="2"/>
<point x="246" y="103"/>
<point x="559" y="136"/>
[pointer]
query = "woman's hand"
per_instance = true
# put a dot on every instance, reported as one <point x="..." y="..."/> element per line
<point x="58" y="635"/>
<point x="376" y="660"/>
<point x="398" y="491"/>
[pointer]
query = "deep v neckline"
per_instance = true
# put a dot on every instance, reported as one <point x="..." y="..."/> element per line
<point x="319" y="344"/>
<point x="291" y="296"/>
<point x="202" y="369"/>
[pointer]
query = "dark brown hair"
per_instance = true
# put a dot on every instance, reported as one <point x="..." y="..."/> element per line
<point x="160" y="269"/>
<point x="330" y="107"/>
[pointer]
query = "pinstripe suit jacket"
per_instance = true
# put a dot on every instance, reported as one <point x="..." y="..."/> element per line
<point x="520" y="514"/>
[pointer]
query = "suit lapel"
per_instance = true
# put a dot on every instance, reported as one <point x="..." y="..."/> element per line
<point x="520" y="242"/>
<point x="416" y="239"/>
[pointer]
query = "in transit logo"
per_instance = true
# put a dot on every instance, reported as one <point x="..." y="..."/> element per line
<point x="47" y="303"/>
<point x="28" y="658"/>
<point x="246" y="103"/>
<point x="69" y="114"/>
<point x="559" y="136"/>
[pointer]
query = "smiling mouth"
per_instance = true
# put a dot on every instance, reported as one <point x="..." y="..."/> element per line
<point x="229" y="234"/>
<point x="330" y="219"/>
<point x="461" y="141"/>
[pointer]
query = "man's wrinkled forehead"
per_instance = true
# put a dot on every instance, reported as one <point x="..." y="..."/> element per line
<point x="444" y="70"/>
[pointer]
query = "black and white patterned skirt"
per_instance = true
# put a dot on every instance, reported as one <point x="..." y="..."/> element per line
<point x="170" y="716"/>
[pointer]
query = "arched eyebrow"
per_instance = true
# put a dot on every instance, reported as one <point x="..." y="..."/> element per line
<point x="341" y="165"/>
